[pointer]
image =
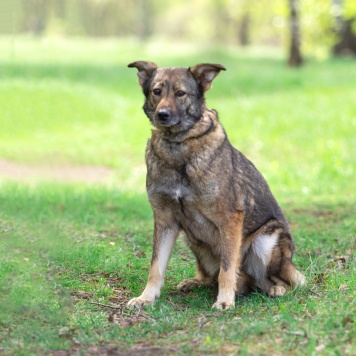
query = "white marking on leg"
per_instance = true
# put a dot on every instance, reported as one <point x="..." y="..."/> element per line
<point x="165" y="251"/>
<point x="259" y="254"/>
<point x="263" y="245"/>
<point x="158" y="268"/>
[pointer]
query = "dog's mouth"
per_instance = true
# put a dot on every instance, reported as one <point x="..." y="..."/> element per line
<point x="174" y="123"/>
<point x="166" y="119"/>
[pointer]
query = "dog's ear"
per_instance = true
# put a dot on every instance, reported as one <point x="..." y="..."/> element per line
<point x="205" y="73"/>
<point x="145" y="70"/>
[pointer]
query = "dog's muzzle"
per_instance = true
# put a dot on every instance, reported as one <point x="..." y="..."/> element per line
<point x="165" y="117"/>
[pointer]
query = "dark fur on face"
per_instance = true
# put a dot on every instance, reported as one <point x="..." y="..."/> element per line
<point x="199" y="184"/>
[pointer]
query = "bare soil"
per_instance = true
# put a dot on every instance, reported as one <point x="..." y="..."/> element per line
<point x="53" y="172"/>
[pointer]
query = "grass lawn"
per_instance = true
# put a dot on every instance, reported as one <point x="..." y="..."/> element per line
<point x="72" y="254"/>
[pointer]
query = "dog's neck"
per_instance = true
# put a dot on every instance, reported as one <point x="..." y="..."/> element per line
<point x="183" y="148"/>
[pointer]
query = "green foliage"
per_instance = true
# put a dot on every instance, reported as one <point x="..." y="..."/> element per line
<point x="349" y="9"/>
<point x="73" y="254"/>
<point x="318" y="27"/>
<point x="220" y="21"/>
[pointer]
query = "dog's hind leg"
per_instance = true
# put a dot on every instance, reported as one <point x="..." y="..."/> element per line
<point x="268" y="259"/>
<point x="281" y="269"/>
<point x="245" y="283"/>
<point x="206" y="270"/>
<point x="281" y="287"/>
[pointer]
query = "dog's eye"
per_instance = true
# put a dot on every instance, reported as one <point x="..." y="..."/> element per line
<point x="180" y="93"/>
<point x="157" y="91"/>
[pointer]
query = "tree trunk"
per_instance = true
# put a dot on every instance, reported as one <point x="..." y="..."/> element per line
<point x="295" y="56"/>
<point x="347" y="44"/>
<point x="145" y="21"/>
<point x="35" y="16"/>
<point x="244" y="30"/>
<point x="221" y="20"/>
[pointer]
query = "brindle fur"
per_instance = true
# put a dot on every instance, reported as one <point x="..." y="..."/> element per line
<point x="199" y="184"/>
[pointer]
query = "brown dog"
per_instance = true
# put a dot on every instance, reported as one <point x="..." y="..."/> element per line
<point x="198" y="183"/>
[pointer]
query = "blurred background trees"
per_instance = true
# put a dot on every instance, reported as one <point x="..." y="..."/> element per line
<point x="303" y="27"/>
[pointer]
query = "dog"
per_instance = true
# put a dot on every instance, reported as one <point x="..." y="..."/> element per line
<point x="199" y="184"/>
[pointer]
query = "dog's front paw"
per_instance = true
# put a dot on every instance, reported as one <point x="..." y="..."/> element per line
<point x="223" y="305"/>
<point x="140" y="302"/>
<point x="277" y="291"/>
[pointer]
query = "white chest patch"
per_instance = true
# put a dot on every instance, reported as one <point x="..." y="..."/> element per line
<point x="177" y="193"/>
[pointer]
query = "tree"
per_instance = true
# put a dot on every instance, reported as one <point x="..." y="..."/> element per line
<point x="243" y="31"/>
<point x="146" y="19"/>
<point x="221" y="19"/>
<point x="344" y="30"/>
<point x="35" y="16"/>
<point x="295" y="56"/>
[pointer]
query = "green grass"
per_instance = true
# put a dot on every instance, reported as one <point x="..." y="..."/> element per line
<point x="65" y="247"/>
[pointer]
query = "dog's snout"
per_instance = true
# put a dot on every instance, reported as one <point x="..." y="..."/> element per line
<point x="163" y="114"/>
<point x="165" y="117"/>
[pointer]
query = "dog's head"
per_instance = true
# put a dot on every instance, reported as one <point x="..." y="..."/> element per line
<point x="175" y="96"/>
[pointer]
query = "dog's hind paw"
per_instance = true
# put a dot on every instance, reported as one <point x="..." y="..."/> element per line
<point x="139" y="302"/>
<point x="185" y="285"/>
<point x="277" y="291"/>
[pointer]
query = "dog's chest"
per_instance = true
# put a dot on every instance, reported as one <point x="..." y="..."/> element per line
<point x="179" y="193"/>
<point x="179" y="178"/>
<point x="188" y="204"/>
<point x="170" y="190"/>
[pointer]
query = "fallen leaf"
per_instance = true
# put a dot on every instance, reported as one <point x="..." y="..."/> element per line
<point x="347" y="319"/>
<point x="140" y="254"/>
<point x="320" y="278"/>
<point x="342" y="286"/>
<point x="320" y="347"/>
<point x="81" y="294"/>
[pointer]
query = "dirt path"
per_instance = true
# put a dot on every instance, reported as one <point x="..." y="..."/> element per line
<point x="22" y="172"/>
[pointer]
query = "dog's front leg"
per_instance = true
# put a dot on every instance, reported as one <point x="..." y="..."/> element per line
<point x="163" y="243"/>
<point x="231" y="238"/>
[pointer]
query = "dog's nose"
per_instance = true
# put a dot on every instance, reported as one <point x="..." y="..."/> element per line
<point x="164" y="114"/>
